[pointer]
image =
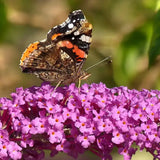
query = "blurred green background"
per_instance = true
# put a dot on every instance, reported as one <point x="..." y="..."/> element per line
<point x="122" y="29"/>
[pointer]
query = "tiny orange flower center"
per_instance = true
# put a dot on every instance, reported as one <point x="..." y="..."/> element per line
<point x="117" y="134"/>
<point x="57" y="120"/>
<point x="102" y="101"/>
<point x="99" y="117"/>
<point x="83" y="124"/>
<point x="124" y="122"/>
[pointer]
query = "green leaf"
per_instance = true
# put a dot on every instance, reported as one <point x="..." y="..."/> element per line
<point x="131" y="49"/>
<point x="154" y="49"/>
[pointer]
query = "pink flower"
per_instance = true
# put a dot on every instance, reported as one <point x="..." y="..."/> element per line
<point x="73" y="120"/>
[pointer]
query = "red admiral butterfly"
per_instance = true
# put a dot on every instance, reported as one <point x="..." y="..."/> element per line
<point x="60" y="57"/>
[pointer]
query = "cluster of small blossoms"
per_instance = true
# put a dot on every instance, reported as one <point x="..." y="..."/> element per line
<point x="72" y="120"/>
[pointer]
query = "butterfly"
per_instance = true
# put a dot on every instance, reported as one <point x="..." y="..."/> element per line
<point x="60" y="57"/>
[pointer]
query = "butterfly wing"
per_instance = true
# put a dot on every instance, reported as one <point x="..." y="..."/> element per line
<point x="73" y="36"/>
<point x="61" y="56"/>
<point x="38" y="56"/>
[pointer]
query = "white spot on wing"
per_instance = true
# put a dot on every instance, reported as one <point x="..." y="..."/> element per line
<point x="43" y="40"/>
<point x="85" y="38"/>
<point x="67" y="21"/>
<point x="70" y="25"/>
<point x="63" y="24"/>
<point x="76" y="33"/>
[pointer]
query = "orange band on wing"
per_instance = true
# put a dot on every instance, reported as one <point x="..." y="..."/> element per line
<point x="29" y="50"/>
<point x="55" y="36"/>
<point x="80" y="53"/>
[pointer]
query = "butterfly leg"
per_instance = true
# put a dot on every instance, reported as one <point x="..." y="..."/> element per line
<point x="57" y="85"/>
<point x="79" y="82"/>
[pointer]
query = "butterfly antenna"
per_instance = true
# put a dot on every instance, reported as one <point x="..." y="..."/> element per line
<point x="108" y="59"/>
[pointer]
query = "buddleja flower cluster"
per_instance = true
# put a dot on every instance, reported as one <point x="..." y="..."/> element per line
<point x="73" y="120"/>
